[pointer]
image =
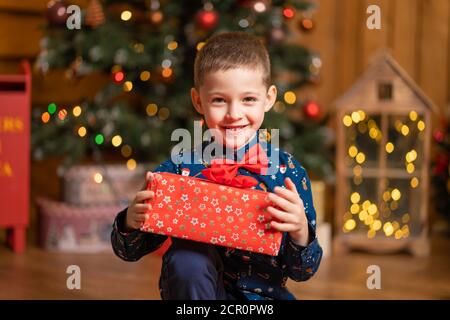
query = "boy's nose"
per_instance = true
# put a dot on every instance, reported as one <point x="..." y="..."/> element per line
<point x="234" y="111"/>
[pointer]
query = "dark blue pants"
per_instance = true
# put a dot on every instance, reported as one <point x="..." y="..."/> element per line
<point x="192" y="271"/>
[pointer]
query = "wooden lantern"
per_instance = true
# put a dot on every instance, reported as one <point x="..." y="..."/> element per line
<point x="382" y="160"/>
<point x="15" y="102"/>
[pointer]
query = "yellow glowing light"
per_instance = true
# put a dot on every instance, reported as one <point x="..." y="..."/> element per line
<point x="126" y="15"/>
<point x="373" y="132"/>
<point x="116" y="140"/>
<point x="414" y="182"/>
<point x="389" y="147"/>
<point x="362" y="128"/>
<point x="357" y="170"/>
<point x="421" y="125"/>
<point x="347" y="120"/>
<point x="128" y="86"/>
<point x="163" y="113"/>
<point x="394" y="205"/>
<point x="167" y="72"/>
<point x="410" y="168"/>
<point x="151" y="109"/>
<point x="356" y="117"/>
<point x="354" y="208"/>
<point x="376" y="225"/>
<point x="366" y="205"/>
<point x="350" y="224"/>
<point x="371" y="233"/>
<point x="396" y="194"/>
<point x="139" y="47"/>
<point x="360" y="157"/>
<point x="98" y="177"/>
<point x="355" y="197"/>
<point x="368" y="220"/>
<point x="357" y="180"/>
<point x="82" y="131"/>
<point x="76" y="111"/>
<point x="200" y="45"/>
<point x="145" y="75"/>
<point x="405" y="230"/>
<point x="413" y="115"/>
<point x="405" y="218"/>
<point x="126" y="151"/>
<point x="388" y="229"/>
<point x="371" y="124"/>
<point x="290" y="97"/>
<point x="363" y="215"/>
<point x="398" y="234"/>
<point x="372" y="209"/>
<point x="405" y="130"/>
<point x="395" y="225"/>
<point x="386" y="196"/>
<point x="362" y="115"/>
<point x="352" y="151"/>
<point x="411" y="156"/>
<point x="172" y="45"/>
<point x="131" y="164"/>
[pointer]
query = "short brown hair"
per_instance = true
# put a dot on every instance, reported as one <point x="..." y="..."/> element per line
<point x="231" y="50"/>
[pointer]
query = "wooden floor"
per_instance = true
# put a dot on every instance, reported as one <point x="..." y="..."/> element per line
<point x="38" y="274"/>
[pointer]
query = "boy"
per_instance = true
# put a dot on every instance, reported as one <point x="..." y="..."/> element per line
<point x="232" y="92"/>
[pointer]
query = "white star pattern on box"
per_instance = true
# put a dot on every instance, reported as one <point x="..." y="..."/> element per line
<point x="202" y="225"/>
<point x="213" y="240"/>
<point x="169" y="229"/>
<point x="160" y="224"/>
<point x="155" y="216"/>
<point x="194" y="221"/>
<point x="187" y="206"/>
<point x="160" y="205"/>
<point x="205" y="198"/>
<point x="171" y="188"/>
<point x="238" y="211"/>
<point x="245" y="197"/>
<point x="175" y="221"/>
<point x="252" y="226"/>
<point x="167" y="199"/>
<point x="229" y="208"/>
<point x="218" y="210"/>
<point x="179" y="212"/>
<point x="222" y="239"/>
<point x="163" y="182"/>
<point x="159" y="193"/>
<point x="235" y="236"/>
<point x="215" y="202"/>
<point x="230" y="219"/>
<point x="191" y="183"/>
<point x="197" y="190"/>
<point x="184" y="197"/>
<point x="260" y="218"/>
<point x="261" y="232"/>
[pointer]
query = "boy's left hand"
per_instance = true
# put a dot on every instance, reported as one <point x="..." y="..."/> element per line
<point x="291" y="218"/>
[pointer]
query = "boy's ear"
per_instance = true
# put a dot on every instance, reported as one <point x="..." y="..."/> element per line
<point x="195" y="97"/>
<point x="271" y="97"/>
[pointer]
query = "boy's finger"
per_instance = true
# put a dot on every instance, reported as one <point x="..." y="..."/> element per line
<point x="281" y="202"/>
<point x="143" y="195"/>
<point x="141" y="217"/>
<point x="290" y="184"/>
<point x="142" y="207"/>
<point x="283" y="227"/>
<point x="286" y="194"/>
<point x="280" y="215"/>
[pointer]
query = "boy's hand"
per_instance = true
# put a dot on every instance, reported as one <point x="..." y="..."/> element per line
<point x="136" y="213"/>
<point x="291" y="217"/>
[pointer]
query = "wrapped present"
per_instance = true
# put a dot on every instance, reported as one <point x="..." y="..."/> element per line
<point x="67" y="228"/>
<point x="87" y="185"/>
<point x="205" y="211"/>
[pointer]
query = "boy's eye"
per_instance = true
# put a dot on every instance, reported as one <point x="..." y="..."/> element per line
<point x="249" y="99"/>
<point x="218" y="100"/>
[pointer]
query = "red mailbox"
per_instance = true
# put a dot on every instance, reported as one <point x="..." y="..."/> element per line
<point x="15" y="101"/>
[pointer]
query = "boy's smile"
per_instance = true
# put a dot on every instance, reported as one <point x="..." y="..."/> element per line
<point x="233" y="103"/>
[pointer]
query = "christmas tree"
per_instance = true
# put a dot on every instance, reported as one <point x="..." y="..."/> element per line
<point x="147" y="48"/>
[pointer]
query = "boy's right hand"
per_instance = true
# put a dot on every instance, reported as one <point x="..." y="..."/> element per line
<point x="136" y="213"/>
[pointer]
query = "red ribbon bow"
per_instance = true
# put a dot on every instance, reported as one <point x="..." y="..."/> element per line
<point x="224" y="171"/>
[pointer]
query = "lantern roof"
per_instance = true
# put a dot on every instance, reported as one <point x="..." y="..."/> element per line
<point x="385" y="70"/>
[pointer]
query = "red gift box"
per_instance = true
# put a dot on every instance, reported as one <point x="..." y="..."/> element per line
<point x="205" y="211"/>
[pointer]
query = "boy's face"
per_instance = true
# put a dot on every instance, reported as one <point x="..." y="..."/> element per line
<point x="234" y="103"/>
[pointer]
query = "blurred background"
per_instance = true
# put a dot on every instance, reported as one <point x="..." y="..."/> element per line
<point x="91" y="90"/>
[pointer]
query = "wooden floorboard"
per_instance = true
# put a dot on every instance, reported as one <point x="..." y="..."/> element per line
<point x="38" y="274"/>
